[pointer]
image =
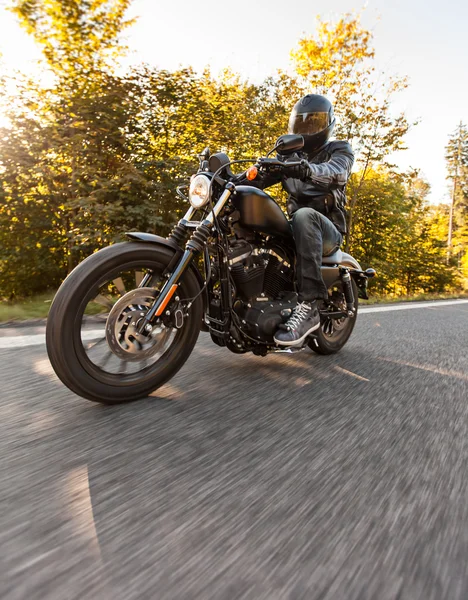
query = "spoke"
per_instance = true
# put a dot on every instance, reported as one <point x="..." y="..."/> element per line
<point x="103" y="301"/>
<point x="138" y="278"/>
<point x="123" y="366"/>
<point x="119" y="284"/>
<point x="104" y="362"/>
<point x="91" y="345"/>
<point x="102" y="316"/>
<point x="154" y="282"/>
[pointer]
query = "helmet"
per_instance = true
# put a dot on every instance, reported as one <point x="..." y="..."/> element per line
<point x="313" y="118"/>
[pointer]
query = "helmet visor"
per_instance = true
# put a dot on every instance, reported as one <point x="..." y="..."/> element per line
<point x="308" y="123"/>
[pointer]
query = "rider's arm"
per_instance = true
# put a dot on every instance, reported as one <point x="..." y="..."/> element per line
<point x="336" y="171"/>
<point x="262" y="181"/>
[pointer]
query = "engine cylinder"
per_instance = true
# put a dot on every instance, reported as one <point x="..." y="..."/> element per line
<point x="277" y="277"/>
<point x="249" y="281"/>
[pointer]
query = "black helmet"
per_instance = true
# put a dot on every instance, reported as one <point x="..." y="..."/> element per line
<point x="313" y="118"/>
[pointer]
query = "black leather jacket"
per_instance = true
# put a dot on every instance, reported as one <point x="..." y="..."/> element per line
<point x="325" y="190"/>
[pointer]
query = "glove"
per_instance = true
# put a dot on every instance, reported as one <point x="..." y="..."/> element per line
<point x="301" y="171"/>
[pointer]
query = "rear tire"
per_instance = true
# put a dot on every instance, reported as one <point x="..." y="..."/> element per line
<point x="63" y="333"/>
<point x="325" y="342"/>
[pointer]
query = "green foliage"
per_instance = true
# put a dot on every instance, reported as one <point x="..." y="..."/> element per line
<point x="337" y="61"/>
<point x="99" y="153"/>
<point x="464" y="269"/>
<point x="399" y="235"/>
<point x="79" y="38"/>
<point x="456" y="156"/>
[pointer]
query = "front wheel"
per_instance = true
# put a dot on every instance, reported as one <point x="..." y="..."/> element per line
<point x="92" y="333"/>
<point x="334" y="333"/>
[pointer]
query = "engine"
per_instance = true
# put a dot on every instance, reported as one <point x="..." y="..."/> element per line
<point x="259" y="273"/>
<point x="264" y="288"/>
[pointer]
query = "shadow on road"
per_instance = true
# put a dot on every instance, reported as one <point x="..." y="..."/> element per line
<point x="244" y="477"/>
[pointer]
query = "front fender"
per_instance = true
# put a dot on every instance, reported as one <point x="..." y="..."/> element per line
<point x="151" y="238"/>
<point x="141" y="236"/>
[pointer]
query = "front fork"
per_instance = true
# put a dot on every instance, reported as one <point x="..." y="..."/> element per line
<point x="195" y="245"/>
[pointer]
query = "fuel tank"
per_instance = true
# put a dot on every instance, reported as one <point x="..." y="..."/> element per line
<point x="258" y="211"/>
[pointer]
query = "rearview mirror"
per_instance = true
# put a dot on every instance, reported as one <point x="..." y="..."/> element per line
<point x="289" y="143"/>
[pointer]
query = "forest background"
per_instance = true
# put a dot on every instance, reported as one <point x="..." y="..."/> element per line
<point x="91" y="150"/>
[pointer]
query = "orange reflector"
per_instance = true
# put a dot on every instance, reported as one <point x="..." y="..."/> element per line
<point x="169" y="295"/>
<point x="251" y="173"/>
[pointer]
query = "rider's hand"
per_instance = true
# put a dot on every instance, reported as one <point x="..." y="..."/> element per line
<point x="301" y="171"/>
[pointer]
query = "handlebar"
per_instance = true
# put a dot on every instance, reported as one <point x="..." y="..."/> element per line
<point x="265" y="164"/>
<point x="274" y="162"/>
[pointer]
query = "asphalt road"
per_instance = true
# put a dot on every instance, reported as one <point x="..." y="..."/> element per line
<point x="284" y="477"/>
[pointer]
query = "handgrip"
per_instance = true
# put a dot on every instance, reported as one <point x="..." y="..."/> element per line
<point x="274" y="162"/>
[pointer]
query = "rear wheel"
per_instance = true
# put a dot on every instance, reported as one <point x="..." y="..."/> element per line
<point x="334" y="333"/>
<point x="92" y="333"/>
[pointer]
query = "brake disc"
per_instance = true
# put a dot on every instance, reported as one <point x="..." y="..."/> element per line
<point x="122" y="327"/>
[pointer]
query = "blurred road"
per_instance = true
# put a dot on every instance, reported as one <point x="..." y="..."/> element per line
<point x="300" y="477"/>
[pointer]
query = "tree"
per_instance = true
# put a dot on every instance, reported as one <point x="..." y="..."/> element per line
<point x="67" y="170"/>
<point x="99" y="152"/>
<point x="456" y="156"/>
<point x="181" y="113"/>
<point x="464" y="269"/>
<point x="79" y="38"/>
<point x="338" y="62"/>
<point x="399" y="234"/>
<point x="109" y="159"/>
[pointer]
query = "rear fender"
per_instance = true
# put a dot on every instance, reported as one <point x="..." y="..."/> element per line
<point x="332" y="274"/>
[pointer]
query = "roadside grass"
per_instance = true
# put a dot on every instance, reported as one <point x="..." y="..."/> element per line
<point x="389" y="299"/>
<point x="37" y="307"/>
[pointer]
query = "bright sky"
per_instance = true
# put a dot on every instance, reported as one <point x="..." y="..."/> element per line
<point x="423" y="39"/>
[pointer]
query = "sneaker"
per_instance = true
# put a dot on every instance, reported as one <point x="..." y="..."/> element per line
<point x="304" y="320"/>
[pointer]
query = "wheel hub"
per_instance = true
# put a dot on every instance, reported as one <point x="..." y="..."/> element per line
<point x="330" y="326"/>
<point x="122" y="327"/>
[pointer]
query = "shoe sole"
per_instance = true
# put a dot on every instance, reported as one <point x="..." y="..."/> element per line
<point x="300" y="340"/>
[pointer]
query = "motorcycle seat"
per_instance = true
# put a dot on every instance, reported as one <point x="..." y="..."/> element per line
<point x="333" y="259"/>
<point x="341" y="258"/>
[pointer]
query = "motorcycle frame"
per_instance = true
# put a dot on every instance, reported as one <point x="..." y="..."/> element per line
<point x="198" y="244"/>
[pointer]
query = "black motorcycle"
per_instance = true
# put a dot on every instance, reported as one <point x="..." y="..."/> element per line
<point x="127" y="318"/>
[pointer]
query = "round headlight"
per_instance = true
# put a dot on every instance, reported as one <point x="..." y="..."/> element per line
<point x="198" y="192"/>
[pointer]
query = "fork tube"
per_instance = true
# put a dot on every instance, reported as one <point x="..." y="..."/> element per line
<point x="170" y="287"/>
<point x="189" y="214"/>
<point x="195" y="245"/>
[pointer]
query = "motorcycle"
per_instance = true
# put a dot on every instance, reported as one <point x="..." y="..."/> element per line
<point x="127" y="318"/>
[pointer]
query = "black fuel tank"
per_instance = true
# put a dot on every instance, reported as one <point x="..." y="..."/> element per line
<point x="260" y="212"/>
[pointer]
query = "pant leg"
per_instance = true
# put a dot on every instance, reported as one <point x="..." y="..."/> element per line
<point x="315" y="236"/>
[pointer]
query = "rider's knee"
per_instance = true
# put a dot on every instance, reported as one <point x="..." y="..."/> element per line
<point x="305" y="216"/>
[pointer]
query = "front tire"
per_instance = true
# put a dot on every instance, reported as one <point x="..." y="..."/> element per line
<point x="67" y="346"/>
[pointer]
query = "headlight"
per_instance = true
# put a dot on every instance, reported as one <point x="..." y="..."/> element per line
<point x="198" y="191"/>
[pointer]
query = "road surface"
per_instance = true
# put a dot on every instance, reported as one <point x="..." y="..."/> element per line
<point x="285" y="477"/>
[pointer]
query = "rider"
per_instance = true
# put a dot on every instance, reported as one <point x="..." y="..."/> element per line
<point x="316" y="203"/>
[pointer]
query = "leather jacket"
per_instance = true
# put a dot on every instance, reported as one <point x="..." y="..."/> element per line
<point x="325" y="188"/>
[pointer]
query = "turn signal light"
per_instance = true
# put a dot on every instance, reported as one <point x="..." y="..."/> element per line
<point x="251" y="173"/>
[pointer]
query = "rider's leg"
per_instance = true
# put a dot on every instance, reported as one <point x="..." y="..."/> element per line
<point x="315" y="236"/>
